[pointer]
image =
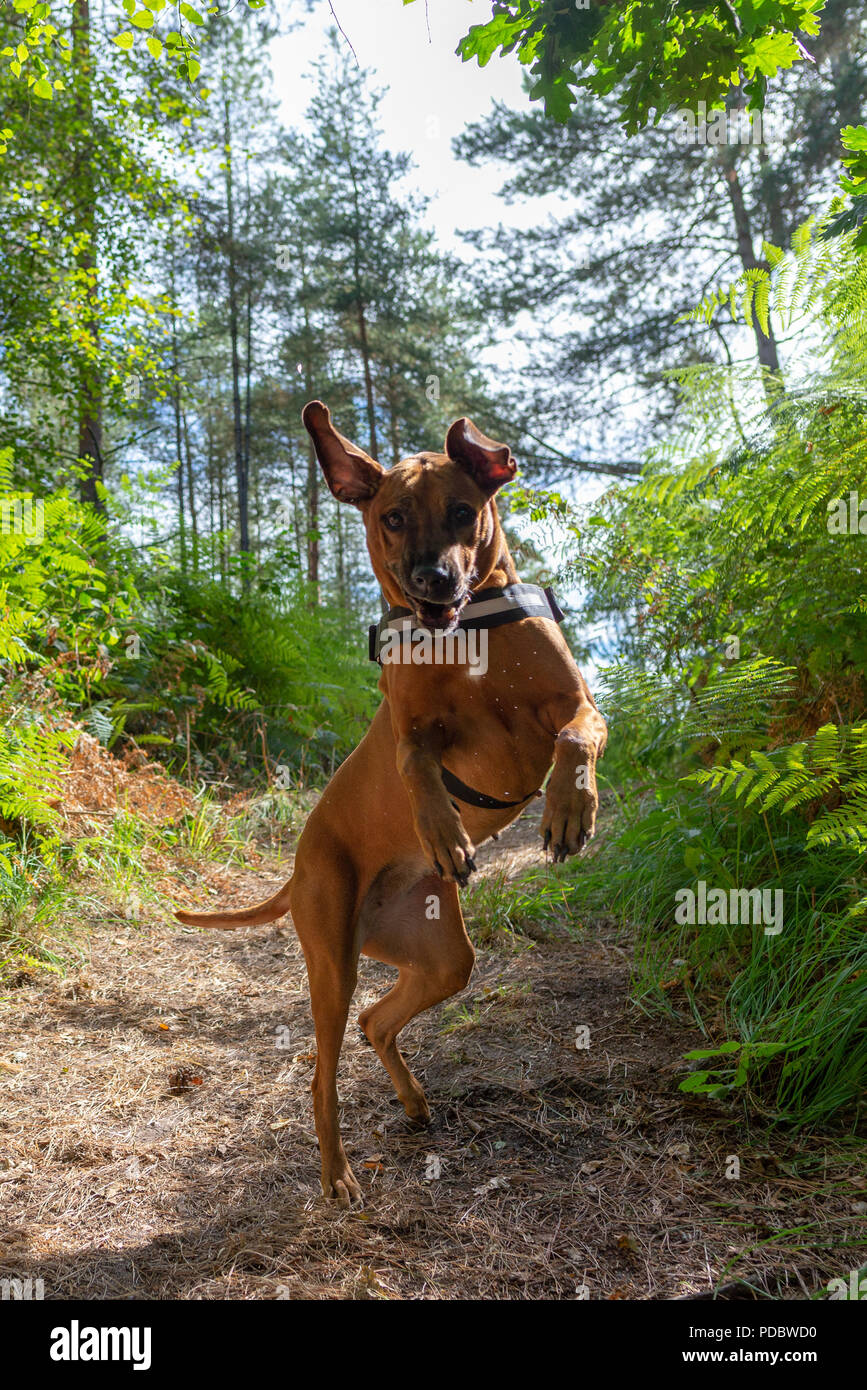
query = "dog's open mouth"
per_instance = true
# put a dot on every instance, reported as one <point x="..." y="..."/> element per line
<point x="439" y="617"/>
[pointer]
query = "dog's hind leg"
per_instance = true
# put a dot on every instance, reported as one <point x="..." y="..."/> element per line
<point x="420" y="930"/>
<point x="324" y="912"/>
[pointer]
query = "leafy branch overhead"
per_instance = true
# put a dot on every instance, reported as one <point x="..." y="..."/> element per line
<point x="168" y="31"/>
<point x="655" y="54"/>
<point x="853" y="182"/>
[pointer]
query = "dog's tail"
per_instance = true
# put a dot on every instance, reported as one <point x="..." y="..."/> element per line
<point x="256" y="916"/>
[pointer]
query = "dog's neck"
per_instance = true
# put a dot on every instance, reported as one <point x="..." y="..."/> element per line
<point x="494" y="564"/>
<point x="502" y="572"/>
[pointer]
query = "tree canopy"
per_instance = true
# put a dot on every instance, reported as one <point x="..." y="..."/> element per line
<point x="653" y="55"/>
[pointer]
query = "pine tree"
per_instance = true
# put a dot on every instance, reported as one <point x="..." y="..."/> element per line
<point x="640" y="229"/>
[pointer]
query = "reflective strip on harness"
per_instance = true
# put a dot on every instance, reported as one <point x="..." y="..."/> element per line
<point x="488" y="608"/>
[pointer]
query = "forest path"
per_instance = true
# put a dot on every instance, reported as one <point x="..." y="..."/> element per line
<point x="550" y="1171"/>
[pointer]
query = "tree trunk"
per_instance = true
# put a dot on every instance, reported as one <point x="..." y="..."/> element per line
<point x="342" y="590"/>
<point x="89" y="405"/>
<point x="182" y="527"/>
<point x="191" y="499"/>
<point x="312" y="489"/>
<point x="297" y="515"/>
<point x="368" y="378"/>
<point x="256" y="494"/>
<point x="765" y="342"/>
<point x="771" y="200"/>
<point x="176" y="401"/>
<point x="313" y="523"/>
<point x="221" y="493"/>
<point x="362" y="320"/>
<point x="248" y="347"/>
<point x="392" y="420"/>
<point x="241" y="479"/>
<point x="213" y="519"/>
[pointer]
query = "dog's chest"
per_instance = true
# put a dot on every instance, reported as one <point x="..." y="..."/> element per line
<point x="496" y="741"/>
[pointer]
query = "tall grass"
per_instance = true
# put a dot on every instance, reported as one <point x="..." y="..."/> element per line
<point x="788" y="1010"/>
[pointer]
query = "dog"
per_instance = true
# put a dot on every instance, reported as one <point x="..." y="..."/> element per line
<point x="452" y="756"/>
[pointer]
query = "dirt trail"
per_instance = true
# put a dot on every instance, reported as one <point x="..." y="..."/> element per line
<point x="550" y="1171"/>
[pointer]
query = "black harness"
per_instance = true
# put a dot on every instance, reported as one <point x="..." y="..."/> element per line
<point x="487" y="608"/>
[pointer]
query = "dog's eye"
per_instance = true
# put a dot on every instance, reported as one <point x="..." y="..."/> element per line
<point x="393" y="520"/>
<point x="462" y="515"/>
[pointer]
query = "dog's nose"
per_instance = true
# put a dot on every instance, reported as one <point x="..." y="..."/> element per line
<point x="432" y="581"/>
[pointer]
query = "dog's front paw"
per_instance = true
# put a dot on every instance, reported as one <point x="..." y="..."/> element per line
<point x="447" y="845"/>
<point x="570" y="811"/>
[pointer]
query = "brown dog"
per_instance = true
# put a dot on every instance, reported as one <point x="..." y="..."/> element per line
<point x="380" y="859"/>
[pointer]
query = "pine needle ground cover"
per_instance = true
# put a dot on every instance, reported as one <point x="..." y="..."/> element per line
<point x="158" y="1141"/>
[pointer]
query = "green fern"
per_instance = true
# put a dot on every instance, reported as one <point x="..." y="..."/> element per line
<point x="32" y="758"/>
<point x="803" y="775"/>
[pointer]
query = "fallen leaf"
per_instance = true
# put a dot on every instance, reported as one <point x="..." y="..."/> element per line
<point x="490" y="1186"/>
<point x="183" y="1077"/>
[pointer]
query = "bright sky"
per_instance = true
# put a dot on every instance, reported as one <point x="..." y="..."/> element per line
<point x="431" y="94"/>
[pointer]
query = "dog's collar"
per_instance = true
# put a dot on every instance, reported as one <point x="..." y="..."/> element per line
<point x="487" y="608"/>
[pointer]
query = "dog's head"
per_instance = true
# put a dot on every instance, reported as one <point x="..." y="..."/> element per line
<point x="432" y="527"/>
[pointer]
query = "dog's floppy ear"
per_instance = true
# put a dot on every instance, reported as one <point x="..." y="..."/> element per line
<point x="488" y="464"/>
<point x="349" y="472"/>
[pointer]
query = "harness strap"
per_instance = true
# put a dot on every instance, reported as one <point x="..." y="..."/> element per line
<point x="488" y="608"/>
<point x="484" y="802"/>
